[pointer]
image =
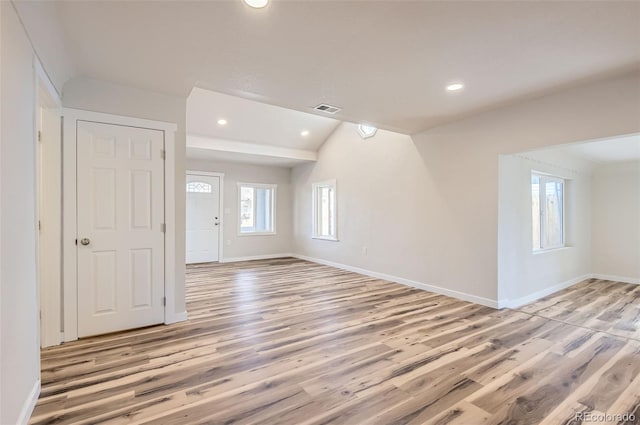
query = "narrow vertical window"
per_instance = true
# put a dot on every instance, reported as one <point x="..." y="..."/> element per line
<point x="547" y="211"/>
<point x="324" y="210"/>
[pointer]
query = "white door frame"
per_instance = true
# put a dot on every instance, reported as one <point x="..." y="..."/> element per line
<point x="48" y="181"/>
<point x="221" y="206"/>
<point x="69" y="205"/>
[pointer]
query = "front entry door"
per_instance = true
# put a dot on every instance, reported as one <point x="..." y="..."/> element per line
<point x="120" y="202"/>
<point x="203" y="218"/>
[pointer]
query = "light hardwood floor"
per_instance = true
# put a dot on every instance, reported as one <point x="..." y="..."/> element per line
<point x="292" y="342"/>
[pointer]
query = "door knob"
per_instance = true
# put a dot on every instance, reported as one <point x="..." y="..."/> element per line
<point x="85" y="241"/>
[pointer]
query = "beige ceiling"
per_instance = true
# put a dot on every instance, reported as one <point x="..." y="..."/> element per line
<point x="386" y="62"/>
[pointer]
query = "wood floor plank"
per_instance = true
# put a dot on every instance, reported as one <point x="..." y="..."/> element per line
<point x="463" y="413"/>
<point x="287" y="341"/>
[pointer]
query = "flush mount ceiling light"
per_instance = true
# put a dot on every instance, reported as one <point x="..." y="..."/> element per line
<point x="304" y="133"/>
<point x="366" y="130"/>
<point x="455" y="87"/>
<point x="256" y="3"/>
<point x="222" y="121"/>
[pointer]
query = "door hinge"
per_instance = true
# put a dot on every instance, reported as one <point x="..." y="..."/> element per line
<point x="163" y="228"/>
<point x="39" y="225"/>
<point x="163" y="154"/>
<point x="76" y="242"/>
<point x="164" y="301"/>
<point x="39" y="136"/>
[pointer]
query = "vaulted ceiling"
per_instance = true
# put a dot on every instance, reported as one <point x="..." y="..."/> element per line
<point x="230" y="128"/>
<point x="249" y="121"/>
<point x="384" y="62"/>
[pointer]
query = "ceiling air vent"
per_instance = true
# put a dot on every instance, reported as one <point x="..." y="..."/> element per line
<point x="327" y="109"/>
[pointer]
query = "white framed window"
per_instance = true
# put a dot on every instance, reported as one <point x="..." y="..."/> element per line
<point x="325" y="211"/>
<point x="256" y="209"/>
<point x="547" y="211"/>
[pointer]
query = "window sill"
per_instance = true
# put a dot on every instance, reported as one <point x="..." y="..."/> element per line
<point x="325" y="238"/>
<point x="546" y="251"/>
<point x="258" y="234"/>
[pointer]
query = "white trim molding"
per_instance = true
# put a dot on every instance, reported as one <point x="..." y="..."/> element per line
<point x="527" y="299"/>
<point x="48" y="166"/>
<point x="333" y="185"/>
<point x="69" y="207"/>
<point x="623" y="279"/>
<point x="257" y="257"/>
<point x="83" y="115"/>
<point x="407" y="282"/>
<point x="29" y="404"/>
<point x="519" y="302"/>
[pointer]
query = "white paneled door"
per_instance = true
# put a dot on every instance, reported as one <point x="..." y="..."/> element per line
<point x="203" y="218"/>
<point x="120" y="204"/>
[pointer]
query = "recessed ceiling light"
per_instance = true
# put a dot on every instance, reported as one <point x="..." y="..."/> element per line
<point x="455" y="87"/>
<point x="222" y="121"/>
<point x="366" y="130"/>
<point x="257" y="3"/>
<point x="304" y="133"/>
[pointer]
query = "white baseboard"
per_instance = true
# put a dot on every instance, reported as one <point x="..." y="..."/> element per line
<point x="519" y="302"/>
<point x="255" y="257"/>
<point x="175" y="318"/>
<point x="419" y="285"/>
<point x="623" y="279"/>
<point x="515" y="303"/>
<point x="29" y="404"/>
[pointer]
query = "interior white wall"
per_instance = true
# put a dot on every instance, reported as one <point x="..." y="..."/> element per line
<point x="238" y="247"/>
<point x="390" y="210"/>
<point x="42" y="23"/>
<point x="20" y="366"/>
<point x="427" y="209"/>
<point x="525" y="275"/>
<point x="468" y="151"/>
<point x="616" y="221"/>
<point x="111" y="98"/>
